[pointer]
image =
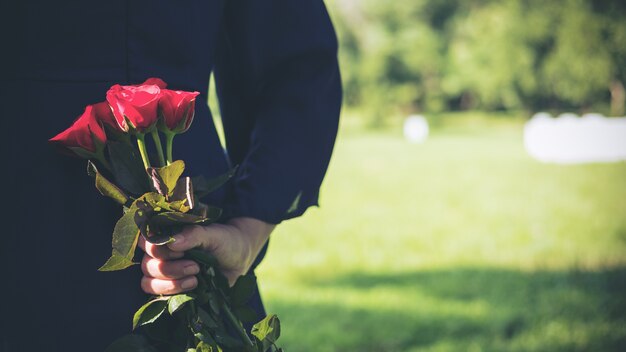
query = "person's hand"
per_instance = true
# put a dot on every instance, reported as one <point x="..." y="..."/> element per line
<point x="235" y="245"/>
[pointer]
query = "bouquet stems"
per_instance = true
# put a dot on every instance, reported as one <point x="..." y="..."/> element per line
<point x="159" y="148"/>
<point x="169" y="140"/>
<point x="141" y="143"/>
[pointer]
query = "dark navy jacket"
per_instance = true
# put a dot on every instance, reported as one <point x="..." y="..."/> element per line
<point x="279" y="89"/>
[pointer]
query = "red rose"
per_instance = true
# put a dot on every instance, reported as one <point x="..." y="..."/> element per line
<point x="105" y="115"/>
<point x="176" y="109"/>
<point x="85" y="137"/>
<point x="134" y="107"/>
<point x="155" y="81"/>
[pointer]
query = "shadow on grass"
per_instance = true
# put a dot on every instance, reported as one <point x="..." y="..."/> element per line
<point x="480" y="309"/>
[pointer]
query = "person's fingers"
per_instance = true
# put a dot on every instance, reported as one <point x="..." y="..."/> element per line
<point x="192" y="237"/>
<point x="161" y="252"/>
<point x="167" y="287"/>
<point x="168" y="270"/>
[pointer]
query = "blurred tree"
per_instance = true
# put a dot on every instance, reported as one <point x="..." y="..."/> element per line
<point x="579" y="67"/>
<point x="391" y="56"/>
<point x="490" y="61"/>
<point x="614" y="33"/>
<point x="406" y="56"/>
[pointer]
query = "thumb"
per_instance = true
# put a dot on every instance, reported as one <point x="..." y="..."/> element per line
<point x="192" y="237"/>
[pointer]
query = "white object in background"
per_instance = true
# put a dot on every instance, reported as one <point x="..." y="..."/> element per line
<point x="571" y="139"/>
<point x="416" y="129"/>
<point x="567" y="116"/>
<point x="541" y="116"/>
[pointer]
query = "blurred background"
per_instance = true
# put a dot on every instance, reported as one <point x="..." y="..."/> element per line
<point x="449" y="231"/>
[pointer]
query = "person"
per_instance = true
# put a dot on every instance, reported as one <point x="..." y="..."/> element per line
<point x="278" y="83"/>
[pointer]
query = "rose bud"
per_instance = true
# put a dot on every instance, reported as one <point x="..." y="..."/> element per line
<point x="86" y="137"/>
<point x="176" y="109"/>
<point x="134" y="107"/>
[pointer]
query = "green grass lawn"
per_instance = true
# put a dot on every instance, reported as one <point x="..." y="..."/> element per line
<point x="463" y="243"/>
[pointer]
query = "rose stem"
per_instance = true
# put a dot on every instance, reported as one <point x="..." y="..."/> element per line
<point x="235" y="324"/>
<point x="169" y="140"/>
<point x="232" y="319"/>
<point x="159" y="148"/>
<point x="142" y="150"/>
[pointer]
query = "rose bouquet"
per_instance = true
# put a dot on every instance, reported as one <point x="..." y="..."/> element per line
<point x="157" y="202"/>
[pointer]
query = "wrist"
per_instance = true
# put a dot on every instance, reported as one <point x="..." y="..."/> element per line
<point x="254" y="234"/>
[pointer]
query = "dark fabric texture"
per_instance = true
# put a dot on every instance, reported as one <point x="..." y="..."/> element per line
<point x="279" y="89"/>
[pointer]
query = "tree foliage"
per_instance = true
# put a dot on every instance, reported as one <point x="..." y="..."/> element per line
<point x="407" y="56"/>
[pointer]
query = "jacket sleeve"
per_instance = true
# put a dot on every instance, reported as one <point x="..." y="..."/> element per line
<point x="279" y="90"/>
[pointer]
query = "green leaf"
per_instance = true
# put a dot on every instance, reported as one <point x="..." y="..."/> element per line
<point x="158" y="202"/>
<point x="150" y="231"/>
<point x="114" y="134"/>
<point x="209" y="212"/>
<point x="128" y="167"/>
<point x="124" y="243"/>
<point x="267" y="330"/>
<point x="202" y="186"/>
<point x="183" y="192"/>
<point x="165" y="178"/>
<point x="180" y="205"/>
<point x="243" y="289"/>
<point x="143" y="212"/>
<point x="92" y="170"/>
<point x="171" y="173"/>
<point x="206" y="319"/>
<point x="155" y="201"/>
<point x="131" y="343"/>
<point x="125" y="233"/>
<point x="205" y="336"/>
<point x="83" y="153"/>
<point x="106" y="187"/>
<point x="150" y="312"/>
<point x="157" y="182"/>
<point x="116" y="262"/>
<point x="171" y="218"/>
<point x="176" y="302"/>
<point x="158" y="229"/>
<point x="160" y="240"/>
<point x="204" y="347"/>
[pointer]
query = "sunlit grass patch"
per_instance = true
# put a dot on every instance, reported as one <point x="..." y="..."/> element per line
<point x="461" y="243"/>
